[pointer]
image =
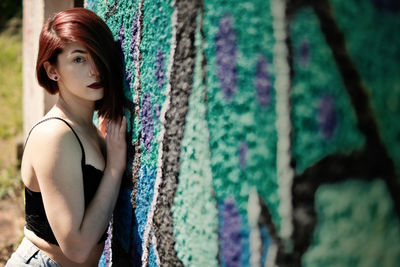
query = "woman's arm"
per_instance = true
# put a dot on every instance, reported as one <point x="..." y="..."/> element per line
<point x="59" y="173"/>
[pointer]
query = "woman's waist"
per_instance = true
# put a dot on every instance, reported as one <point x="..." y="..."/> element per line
<point x="55" y="253"/>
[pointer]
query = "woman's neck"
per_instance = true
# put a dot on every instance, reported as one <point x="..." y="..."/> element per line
<point x="80" y="113"/>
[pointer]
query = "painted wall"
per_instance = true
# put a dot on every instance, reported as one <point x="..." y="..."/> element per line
<point x="261" y="133"/>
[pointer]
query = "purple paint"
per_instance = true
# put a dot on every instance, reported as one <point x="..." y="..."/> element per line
<point x="107" y="246"/>
<point x="327" y="118"/>
<point x="134" y="34"/>
<point x="263" y="81"/>
<point x="389" y="5"/>
<point x="226" y="51"/>
<point x="157" y="111"/>
<point x="304" y="53"/>
<point x="147" y="121"/>
<point x="121" y="38"/>
<point x="242" y="154"/>
<point x="128" y="76"/>
<point x="160" y="77"/>
<point x="231" y="241"/>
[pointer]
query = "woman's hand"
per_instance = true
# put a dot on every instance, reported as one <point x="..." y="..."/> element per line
<point x="116" y="145"/>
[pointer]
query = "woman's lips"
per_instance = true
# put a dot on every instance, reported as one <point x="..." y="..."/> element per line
<point x="96" y="85"/>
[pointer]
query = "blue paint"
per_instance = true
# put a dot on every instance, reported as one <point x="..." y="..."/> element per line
<point x="327" y="118"/>
<point x="220" y="227"/>
<point x="152" y="257"/>
<point x="102" y="261"/>
<point x="144" y="197"/>
<point x="90" y="4"/>
<point x="244" y="242"/>
<point x="265" y="244"/>
<point x="136" y="247"/>
<point x="123" y="218"/>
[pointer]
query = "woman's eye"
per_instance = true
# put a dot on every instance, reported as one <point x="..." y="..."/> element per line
<point x="78" y="60"/>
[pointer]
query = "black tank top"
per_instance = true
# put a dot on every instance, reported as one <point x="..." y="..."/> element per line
<point x="36" y="219"/>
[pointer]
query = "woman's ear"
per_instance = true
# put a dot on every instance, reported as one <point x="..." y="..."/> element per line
<point x="51" y="71"/>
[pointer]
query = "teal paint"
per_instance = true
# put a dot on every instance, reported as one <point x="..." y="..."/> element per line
<point x="309" y="89"/>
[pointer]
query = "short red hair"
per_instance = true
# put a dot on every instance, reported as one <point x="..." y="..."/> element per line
<point x="84" y="26"/>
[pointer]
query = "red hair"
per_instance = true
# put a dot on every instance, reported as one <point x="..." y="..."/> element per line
<point x="84" y="26"/>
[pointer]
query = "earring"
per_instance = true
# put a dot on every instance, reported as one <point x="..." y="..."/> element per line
<point x="55" y="78"/>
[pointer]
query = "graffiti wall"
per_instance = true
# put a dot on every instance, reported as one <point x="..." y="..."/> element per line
<point x="262" y="133"/>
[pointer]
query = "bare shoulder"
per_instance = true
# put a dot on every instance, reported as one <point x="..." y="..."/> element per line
<point x="52" y="132"/>
<point x="52" y="139"/>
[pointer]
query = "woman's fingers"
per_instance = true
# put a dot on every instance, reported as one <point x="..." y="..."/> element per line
<point x="117" y="128"/>
<point x="110" y="128"/>
<point x="116" y="144"/>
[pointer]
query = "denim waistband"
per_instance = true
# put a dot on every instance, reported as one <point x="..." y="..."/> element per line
<point x="28" y="254"/>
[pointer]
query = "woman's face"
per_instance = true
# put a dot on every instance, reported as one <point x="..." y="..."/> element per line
<point x="78" y="74"/>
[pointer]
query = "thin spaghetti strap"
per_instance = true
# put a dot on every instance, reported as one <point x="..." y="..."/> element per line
<point x="77" y="137"/>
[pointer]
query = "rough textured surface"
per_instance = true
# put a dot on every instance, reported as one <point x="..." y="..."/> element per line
<point x="368" y="46"/>
<point x="181" y="82"/>
<point x="357" y="226"/>
<point x="202" y="81"/>
<point x="242" y="132"/>
<point x="195" y="209"/>
<point x="324" y="121"/>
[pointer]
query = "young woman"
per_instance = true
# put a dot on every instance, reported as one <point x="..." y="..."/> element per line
<point x="72" y="173"/>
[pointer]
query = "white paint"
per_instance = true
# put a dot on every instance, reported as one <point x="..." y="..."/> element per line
<point x="271" y="256"/>
<point x="253" y="215"/>
<point x="285" y="173"/>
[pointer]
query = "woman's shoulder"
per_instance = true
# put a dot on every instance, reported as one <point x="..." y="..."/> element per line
<point x="51" y="132"/>
<point x="50" y="143"/>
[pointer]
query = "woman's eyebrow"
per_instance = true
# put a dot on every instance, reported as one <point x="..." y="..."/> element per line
<point x="79" y="51"/>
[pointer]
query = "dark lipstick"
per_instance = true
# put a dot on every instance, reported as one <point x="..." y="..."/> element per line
<point x="96" y="85"/>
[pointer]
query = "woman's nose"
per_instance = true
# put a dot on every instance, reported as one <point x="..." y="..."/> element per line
<point x="93" y="72"/>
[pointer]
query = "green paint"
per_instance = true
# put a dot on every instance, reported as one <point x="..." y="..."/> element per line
<point x="357" y="226"/>
<point x="156" y="35"/>
<point x="373" y="44"/>
<point x="242" y="119"/>
<point x="311" y="82"/>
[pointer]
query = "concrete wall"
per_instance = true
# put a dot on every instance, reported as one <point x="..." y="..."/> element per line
<point x="36" y="101"/>
<point x="261" y="132"/>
